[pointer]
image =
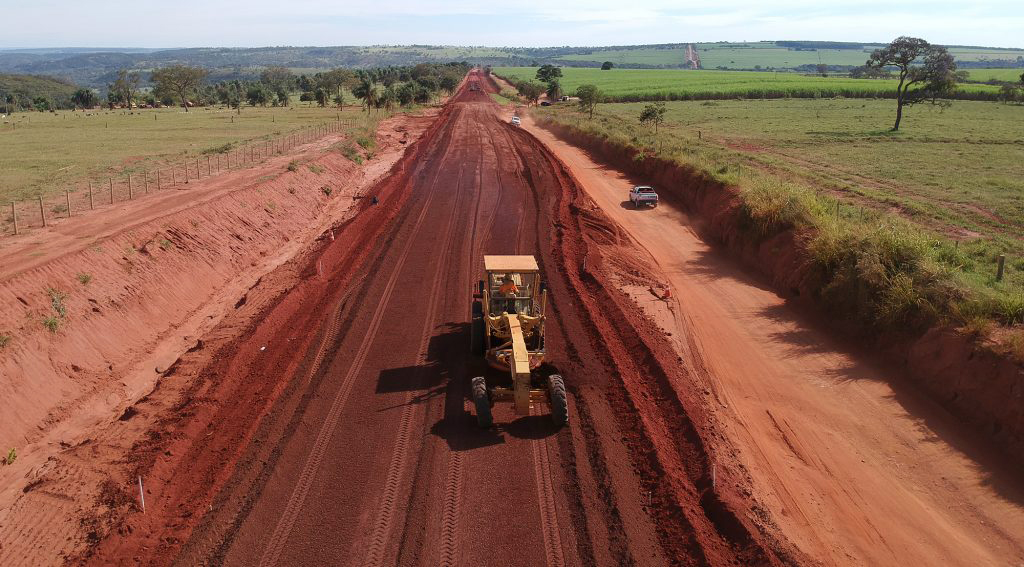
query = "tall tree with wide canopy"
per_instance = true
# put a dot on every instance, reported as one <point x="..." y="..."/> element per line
<point x="929" y="68"/>
<point x="182" y="80"/>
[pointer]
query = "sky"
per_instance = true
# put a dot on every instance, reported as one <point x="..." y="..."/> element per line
<point x="523" y="23"/>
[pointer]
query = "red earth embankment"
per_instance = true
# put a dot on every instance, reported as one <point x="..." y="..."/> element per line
<point x="979" y="386"/>
<point x="90" y="327"/>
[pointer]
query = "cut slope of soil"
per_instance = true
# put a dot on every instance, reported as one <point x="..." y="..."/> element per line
<point x="852" y="464"/>
<point x="129" y="290"/>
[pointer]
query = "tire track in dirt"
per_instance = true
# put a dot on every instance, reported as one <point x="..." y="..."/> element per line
<point x="275" y="545"/>
<point x="400" y="455"/>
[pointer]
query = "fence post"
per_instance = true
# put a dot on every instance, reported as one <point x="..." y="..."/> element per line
<point x="186" y="172"/>
<point x="92" y="205"/>
<point x="198" y="172"/>
<point x="158" y="180"/>
<point x="42" y="213"/>
<point x="14" y="215"/>
<point x="130" y="195"/>
<point x="999" y="269"/>
<point x="145" y="182"/>
<point x="110" y="180"/>
<point x="209" y="172"/>
<point x="67" y="196"/>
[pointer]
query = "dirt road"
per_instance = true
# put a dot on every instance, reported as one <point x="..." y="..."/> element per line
<point x="854" y="469"/>
<point x="336" y="430"/>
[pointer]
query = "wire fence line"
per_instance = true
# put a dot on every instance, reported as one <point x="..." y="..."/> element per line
<point x="19" y="216"/>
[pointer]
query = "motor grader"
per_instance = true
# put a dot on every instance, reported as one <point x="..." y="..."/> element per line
<point x="508" y="331"/>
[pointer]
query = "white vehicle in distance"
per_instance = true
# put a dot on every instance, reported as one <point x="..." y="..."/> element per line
<point x="643" y="195"/>
<point x="515" y="121"/>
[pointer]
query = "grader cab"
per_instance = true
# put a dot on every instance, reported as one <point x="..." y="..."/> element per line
<point x="508" y="331"/>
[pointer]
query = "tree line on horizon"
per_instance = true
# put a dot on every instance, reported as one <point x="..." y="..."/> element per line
<point x="188" y="86"/>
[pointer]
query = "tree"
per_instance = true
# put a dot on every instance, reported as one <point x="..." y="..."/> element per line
<point x="125" y="87"/>
<point x="935" y="76"/>
<point x="554" y="90"/>
<point x="41" y="104"/>
<point x="653" y="114"/>
<point x="406" y="93"/>
<point x="448" y="83"/>
<point x="182" y="80"/>
<point x="277" y="77"/>
<point x="607" y="65"/>
<point x="320" y="94"/>
<point x="822" y="69"/>
<point x="548" y="73"/>
<point x="531" y="91"/>
<point x="589" y="96"/>
<point x="257" y="94"/>
<point x="85" y="98"/>
<point x="366" y="91"/>
<point x="869" y="72"/>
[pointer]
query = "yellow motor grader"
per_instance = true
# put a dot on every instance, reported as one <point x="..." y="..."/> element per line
<point x="508" y="331"/>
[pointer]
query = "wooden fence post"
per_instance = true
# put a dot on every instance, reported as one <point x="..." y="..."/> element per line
<point x="110" y="180"/>
<point x="999" y="269"/>
<point x="92" y="204"/>
<point x="186" y="171"/>
<point x="145" y="182"/>
<point x="209" y="171"/>
<point x="158" y="180"/>
<point x="67" y="196"/>
<point x="14" y="215"/>
<point x="130" y="196"/>
<point x="42" y="213"/>
<point x="198" y="172"/>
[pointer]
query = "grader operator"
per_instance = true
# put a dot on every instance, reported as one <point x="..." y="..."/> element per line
<point x="508" y="331"/>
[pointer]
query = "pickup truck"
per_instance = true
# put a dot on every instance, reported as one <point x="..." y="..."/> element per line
<point x="515" y="121"/>
<point x="643" y="195"/>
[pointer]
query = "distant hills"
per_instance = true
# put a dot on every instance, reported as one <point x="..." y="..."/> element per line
<point x="96" y="67"/>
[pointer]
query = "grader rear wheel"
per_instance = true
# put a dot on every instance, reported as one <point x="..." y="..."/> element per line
<point x="559" y="402"/>
<point x="482" y="402"/>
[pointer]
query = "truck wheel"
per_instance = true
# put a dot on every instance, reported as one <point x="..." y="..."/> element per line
<point x="559" y="403"/>
<point x="476" y="339"/>
<point x="482" y="402"/>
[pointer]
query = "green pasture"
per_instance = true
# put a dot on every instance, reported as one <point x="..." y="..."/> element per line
<point x="954" y="175"/>
<point x="43" y="153"/>
<point x="640" y="84"/>
<point x="763" y="54"/>
<point x="1004" y="75"/>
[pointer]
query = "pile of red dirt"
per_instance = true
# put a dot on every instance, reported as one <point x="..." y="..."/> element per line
<point x="978" y="385"/>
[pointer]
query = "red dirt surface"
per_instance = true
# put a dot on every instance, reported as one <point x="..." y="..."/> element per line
<point x="852" y="464"/>
<point x="163" y="271"/>
<point x="325" y="421"/>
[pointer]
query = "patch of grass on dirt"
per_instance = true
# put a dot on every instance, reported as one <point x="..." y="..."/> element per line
<point x="84" y="278"/>
<point x="317" y="169"/>
<point x="902" y="229"/>
<point x="292" y="166"/>
<point x="5" y="339"/>
<point x="366" y="142"/>
<point x="10" y="457"/>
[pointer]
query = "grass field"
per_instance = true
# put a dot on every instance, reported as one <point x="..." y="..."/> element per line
<point x="953" y="179"/>
<point x="1006" y="75"/>
<point x="764" y="54"/>
<point x="647" y="84"/>
<point x="45" y="153"/>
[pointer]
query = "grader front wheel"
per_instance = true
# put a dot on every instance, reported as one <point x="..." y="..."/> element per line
<point x="558" y="400"/>
<point x="482" y="402"/>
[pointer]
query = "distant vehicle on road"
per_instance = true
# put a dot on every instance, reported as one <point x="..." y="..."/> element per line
<point x="643" y="195"/>
<point x="515" y="121"/>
